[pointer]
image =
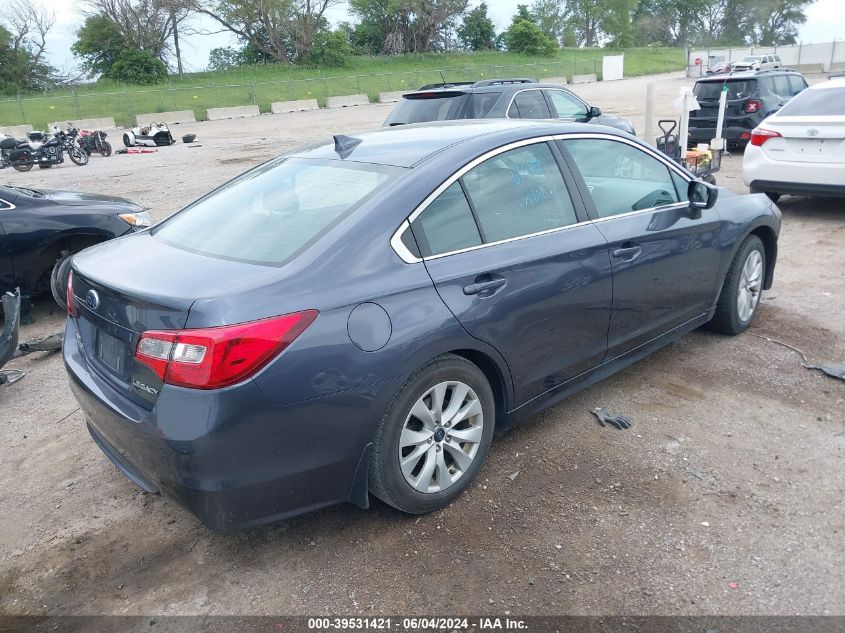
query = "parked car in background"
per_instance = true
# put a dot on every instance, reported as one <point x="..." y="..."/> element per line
<point x="719" y="69"/>
<point x="359" y="316"/>
<point x="499" y="99"/>
<point x="41" y="229"/>
<point x="752" y="96"/>
<point x="801" y="149"/>
<point x="757" y="62"/>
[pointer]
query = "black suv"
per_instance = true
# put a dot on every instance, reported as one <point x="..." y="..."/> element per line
<point x="752" y="96"/>
<point x="499" y="99"/>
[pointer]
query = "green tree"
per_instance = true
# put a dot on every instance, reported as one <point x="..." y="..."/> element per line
<point x="98" y="44"/>
<point x="331" y="49"/>
<point x="137" y="67"/>
<point x="552" y="16"/>
<point x="24" y="26"/>
<point x="617" y="22"/>
<point x="477" y="31"/>
<point x="526" y="37"/>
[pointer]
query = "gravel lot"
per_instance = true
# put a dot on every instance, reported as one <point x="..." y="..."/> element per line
<point x="726" y="497"/>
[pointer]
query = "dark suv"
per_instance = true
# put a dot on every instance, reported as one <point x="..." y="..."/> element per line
<point x="499" y="99"/>
<point x="752" y="96"/>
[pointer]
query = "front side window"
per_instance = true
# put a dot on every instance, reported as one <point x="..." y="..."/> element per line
<point x="529" y="104"/>
<point x="269" y="213"/>
<point x="447" y="224"/>
<point x="519" y="192"/>
<point x="566" y="105"/>
<point x="621" y="178"/>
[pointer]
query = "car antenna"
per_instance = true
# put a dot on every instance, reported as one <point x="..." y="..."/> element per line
<point x="442" y="78"/>
<point x="344" y="145"/>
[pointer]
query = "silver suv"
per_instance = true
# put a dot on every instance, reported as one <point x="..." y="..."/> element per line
<point x="757" y="62"/>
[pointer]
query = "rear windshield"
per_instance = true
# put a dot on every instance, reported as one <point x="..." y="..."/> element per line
<point x="421" y="110"/>
<point x="826" y="102"/>
<point x="268" y="214"/>
<point x="737" y="89"/>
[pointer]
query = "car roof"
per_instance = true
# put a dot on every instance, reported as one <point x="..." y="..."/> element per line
<point x="485" y="85"/>
<point x="751" y="74"/>
<point x="832" y="82"/>
<point x="408" y="145"/>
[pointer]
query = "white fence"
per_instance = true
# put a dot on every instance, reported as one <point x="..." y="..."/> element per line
<point x="826" y="57"/>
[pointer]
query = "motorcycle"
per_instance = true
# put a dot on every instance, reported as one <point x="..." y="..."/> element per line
<point x="94" y="141"/>
<point x="47" y="150"/>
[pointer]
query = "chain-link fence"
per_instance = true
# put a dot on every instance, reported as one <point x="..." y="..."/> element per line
<point x="126" y="102"/>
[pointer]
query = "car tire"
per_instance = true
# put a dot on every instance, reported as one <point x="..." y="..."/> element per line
<point x="742" y="289"/>
<point x="437" y="467"/>
<point x="58" y="279"/>
<point x="774" y="197"/>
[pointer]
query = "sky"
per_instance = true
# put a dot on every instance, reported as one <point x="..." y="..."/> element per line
<point x="825" y="23"/>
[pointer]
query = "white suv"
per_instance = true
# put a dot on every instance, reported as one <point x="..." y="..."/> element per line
<point x="757" y="62"/>
<point x="800" y="150"/>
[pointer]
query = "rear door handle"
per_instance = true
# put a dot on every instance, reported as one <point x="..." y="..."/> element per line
<point x="628" y="252"/>
<point x="482" y="286"/>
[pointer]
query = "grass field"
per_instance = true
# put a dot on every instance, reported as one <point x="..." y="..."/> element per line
<point x="263" y="85"/>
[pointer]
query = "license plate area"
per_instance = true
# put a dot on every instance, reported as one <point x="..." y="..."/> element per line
<point x="111" y="352"/>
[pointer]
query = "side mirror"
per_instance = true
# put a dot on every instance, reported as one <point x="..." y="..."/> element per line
<point x="702" y="195"/>
<point x="594" y="112"/>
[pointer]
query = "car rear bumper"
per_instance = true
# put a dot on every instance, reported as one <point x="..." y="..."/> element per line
<point x="791" y="177"/>
<point x="229" y="456"/>
<point x="732" y="134"/>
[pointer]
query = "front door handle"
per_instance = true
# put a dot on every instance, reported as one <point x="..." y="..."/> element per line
<point x="628" y="252"/>
<point x="484" y="286"/>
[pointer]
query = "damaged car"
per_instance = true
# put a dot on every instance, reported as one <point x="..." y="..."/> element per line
<point x="41" y="229"/>
<point x="359" y="316"/>
<point x="153" y="135"/>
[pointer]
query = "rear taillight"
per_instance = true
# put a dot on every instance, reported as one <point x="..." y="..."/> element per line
<point x="69" y="298"/>
<point x="211" y="358"/>
<point x="760" y="135"/>
<point x="751" y="106"/>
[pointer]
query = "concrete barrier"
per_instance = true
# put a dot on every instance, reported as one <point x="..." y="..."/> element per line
<point x="553" y="80"/>
<point x="391" y="97"/>
<point x="301" y="105"/>
<point x="837" y="67"/>
<point x="809" y="68"/>
<point x="16" y="131"/>
<point x="344" y="101"/>
<point x="584" y="79"/>
<point x="171" y="118"/>
<point x="236" y="112"/>
<point x="105" y="123"/>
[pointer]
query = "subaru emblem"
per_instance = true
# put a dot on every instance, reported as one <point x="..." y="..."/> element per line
<point x="92" y="299"/>
<point x="812" y="132"/>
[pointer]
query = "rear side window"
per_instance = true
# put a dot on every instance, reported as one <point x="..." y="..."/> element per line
<point x="780" y="86"/>
<point x="438" y="107"/>
<point x="796" y="84"/>
<point x="737" y="89"/>
<point x="529" y="104"/>
<point x="621" y="178"/>
<point x="447" y="224"/>
<point x="822" y="102"/>
<point x="271" y="212"/>
<point x="481" y="103"/>
<point x="519" y="192"/>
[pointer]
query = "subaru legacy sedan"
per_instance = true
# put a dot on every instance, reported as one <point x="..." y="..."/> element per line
<point x="359" y="317"/>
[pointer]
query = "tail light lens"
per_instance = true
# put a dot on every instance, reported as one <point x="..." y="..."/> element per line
<point x="69" y="298"/>
<point x="751" y="106"/>
<point x="761" y="135"/>
<point x="211" y="358"/>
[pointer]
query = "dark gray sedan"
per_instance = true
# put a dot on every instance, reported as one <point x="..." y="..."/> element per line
<point x="359" y="316"/>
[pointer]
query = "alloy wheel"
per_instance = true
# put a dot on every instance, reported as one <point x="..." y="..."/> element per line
<point x="750" y="285"/>
<point x="441" y="436"/>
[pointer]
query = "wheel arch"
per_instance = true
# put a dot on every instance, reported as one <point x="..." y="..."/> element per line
<point x="50" y="253"/>
<point x="770" y="243"/>
<point x="491" y="370"/>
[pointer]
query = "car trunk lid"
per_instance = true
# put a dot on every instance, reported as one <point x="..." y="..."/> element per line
<point x="806" y="139"/>
<point x="128" y="286"/>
